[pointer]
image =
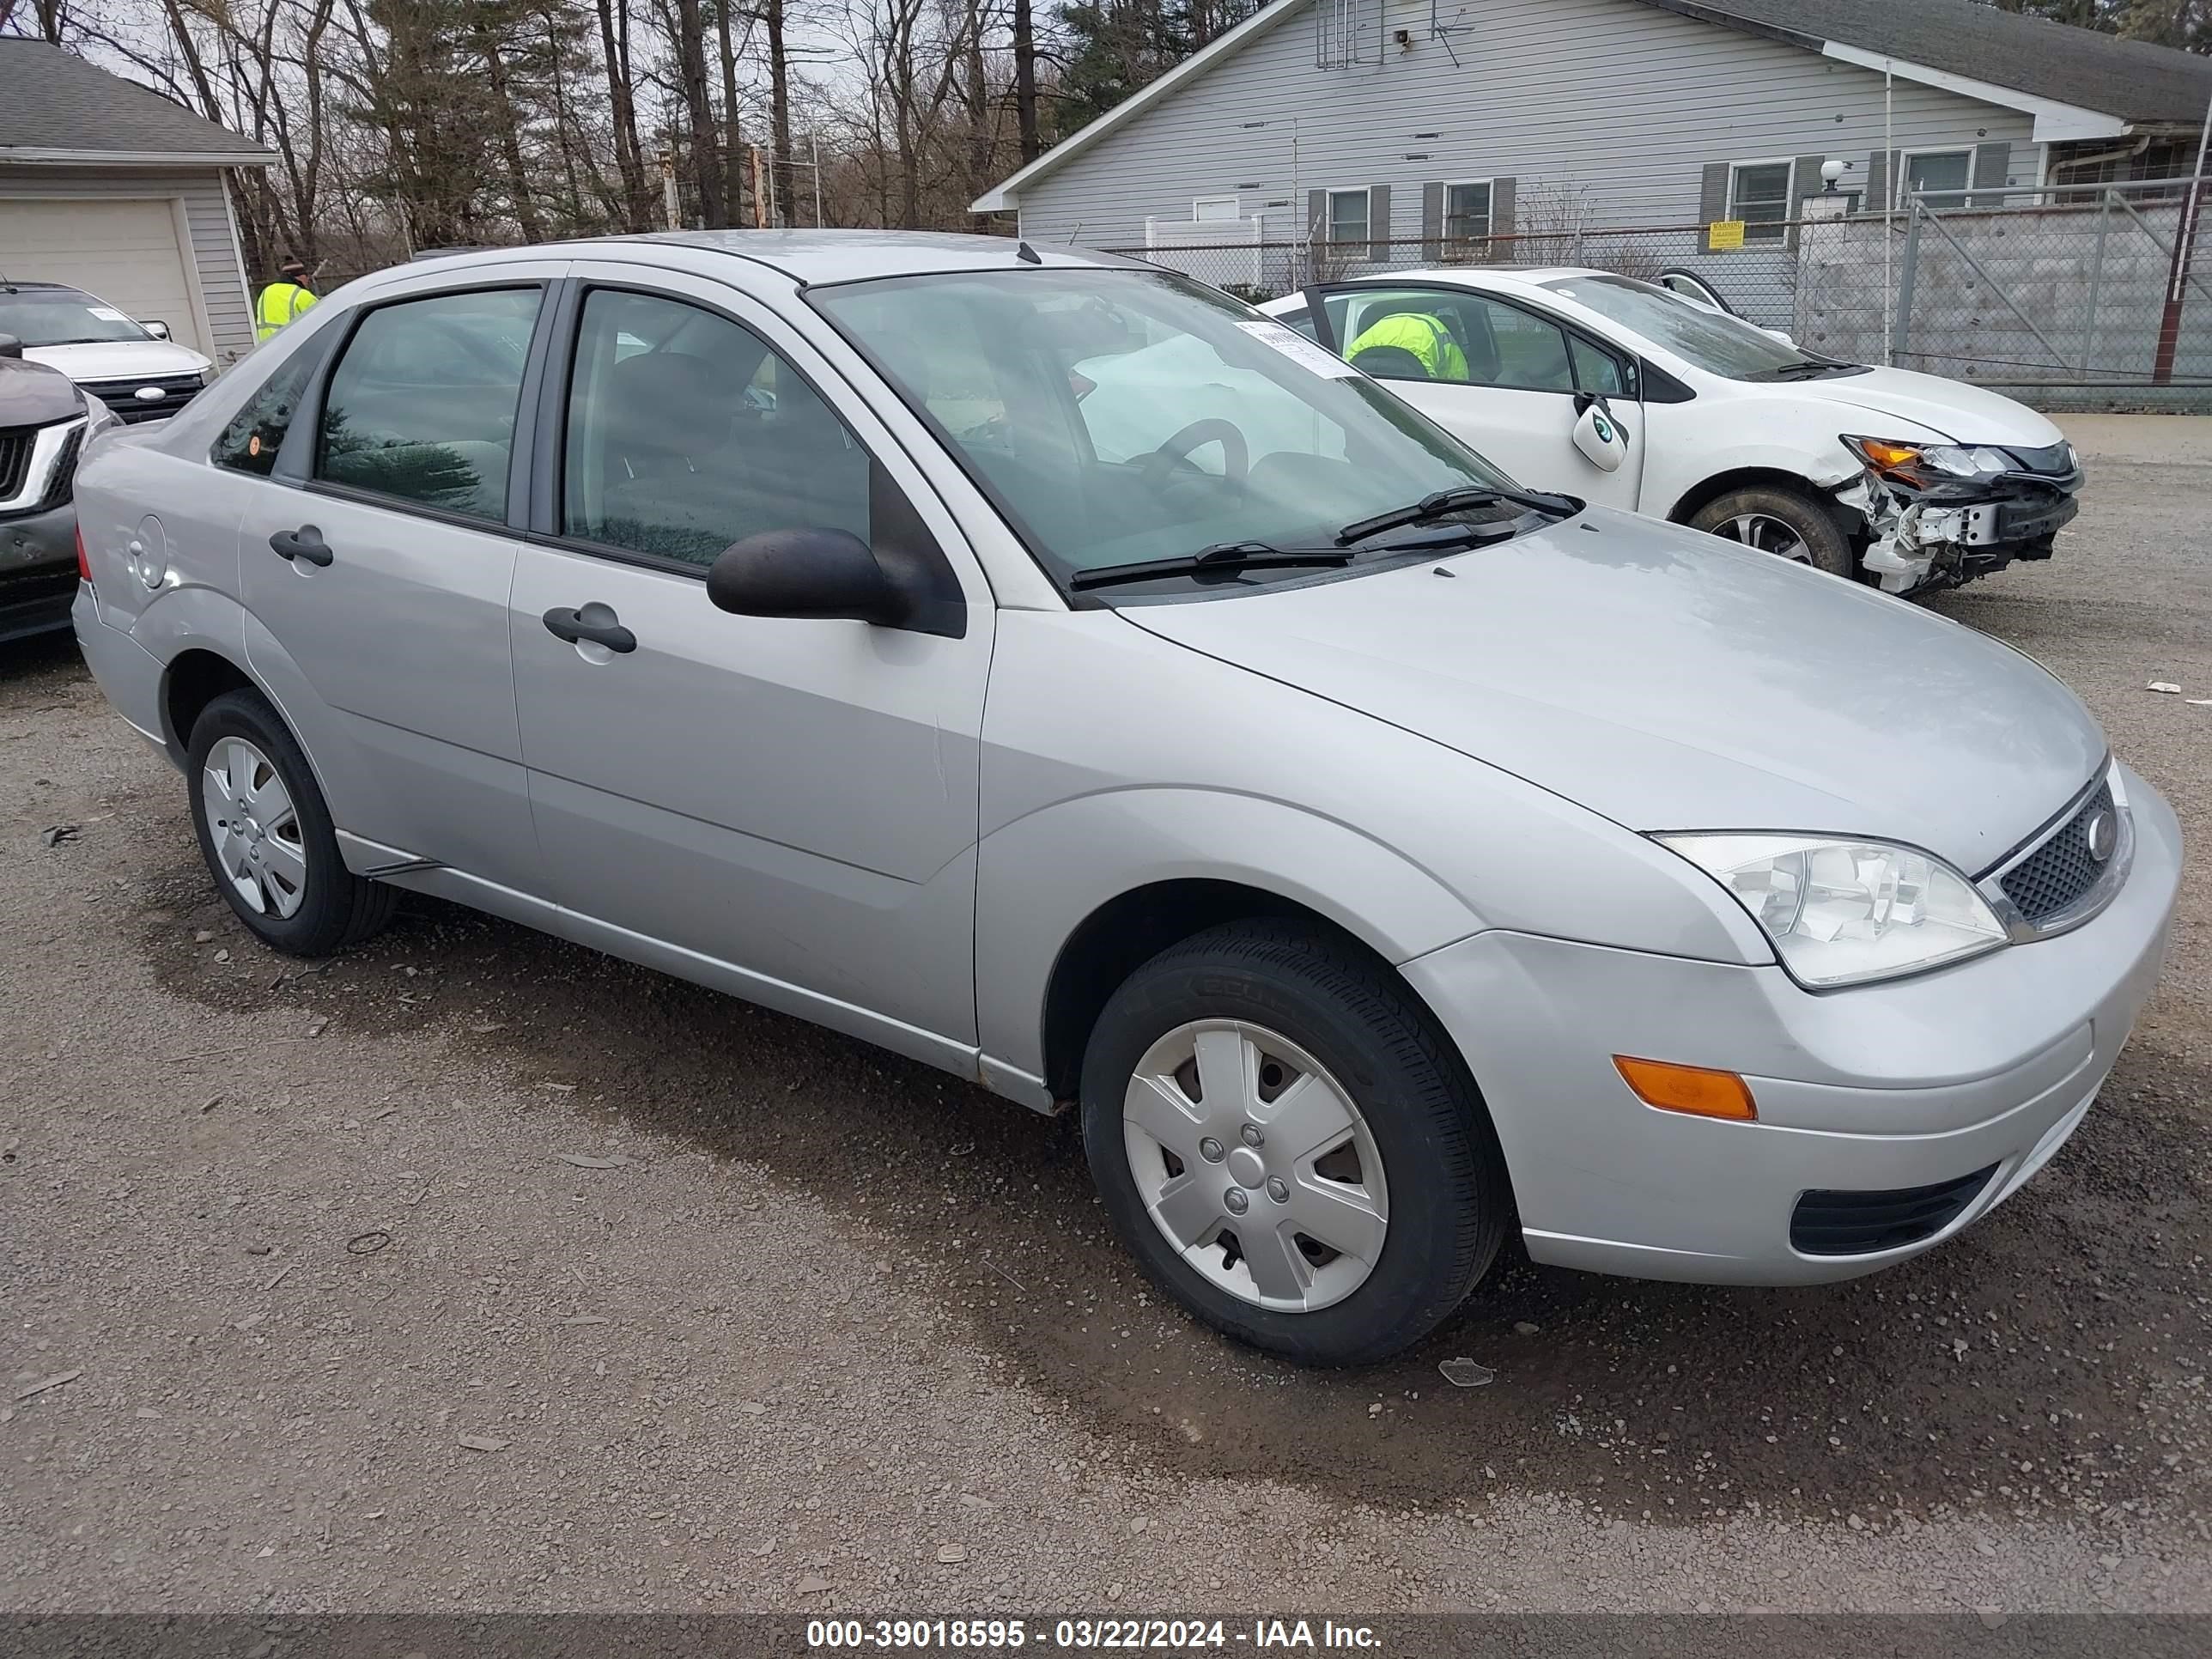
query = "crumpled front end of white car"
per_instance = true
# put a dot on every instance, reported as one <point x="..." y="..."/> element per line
<point x="1939" y="515"/>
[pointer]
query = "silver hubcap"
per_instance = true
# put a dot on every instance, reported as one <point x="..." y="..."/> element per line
<point x="1768" y="534"/>
<point x="255" y="829"/>
<point x="1255" y="1165"/>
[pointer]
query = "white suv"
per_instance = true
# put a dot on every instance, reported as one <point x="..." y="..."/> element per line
<point x="133" y="368"/>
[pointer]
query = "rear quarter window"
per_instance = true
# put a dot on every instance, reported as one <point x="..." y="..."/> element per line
<point x="249" y="442"/>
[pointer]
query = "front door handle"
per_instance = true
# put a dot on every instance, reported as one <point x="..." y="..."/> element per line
<point x="305" y="543"/>
<point x="595" y="622"/>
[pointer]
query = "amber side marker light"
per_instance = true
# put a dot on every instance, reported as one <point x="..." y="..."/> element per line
<point x="1689" y="1089"/>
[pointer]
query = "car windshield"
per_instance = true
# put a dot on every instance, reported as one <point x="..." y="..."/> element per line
<point x="1120" y="417"/>
<point x="1711" y="340"/>
<point x="62" y="316"/>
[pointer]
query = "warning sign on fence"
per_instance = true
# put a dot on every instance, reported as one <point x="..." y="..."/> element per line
<point x="1724" y="234"/>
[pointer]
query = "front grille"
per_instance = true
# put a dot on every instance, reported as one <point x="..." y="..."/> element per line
<point x="2056" y="461"/>
<point x="2057" y="873"/>
<point x="15" y="460"/>
<point x="1859" y="1224"/>
<point x="122" y="396"/>
<point x="63" y="486"/>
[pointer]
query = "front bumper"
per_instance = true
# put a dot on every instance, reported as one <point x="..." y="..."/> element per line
<point x="37" y="572"/>
<point x="1919" y="540"/>
<point x="1990" y="1065"/>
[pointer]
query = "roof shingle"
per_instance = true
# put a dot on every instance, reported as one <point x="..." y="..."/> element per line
<point x="53" y="100"/>
<point x="2131" y="79"/>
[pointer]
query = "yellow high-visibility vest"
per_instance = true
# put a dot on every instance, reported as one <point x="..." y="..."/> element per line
<point x="280" y="302"/>
<point x="1424" y="336"/>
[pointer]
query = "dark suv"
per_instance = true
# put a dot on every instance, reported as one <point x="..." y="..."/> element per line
<point x="44" y="421"/>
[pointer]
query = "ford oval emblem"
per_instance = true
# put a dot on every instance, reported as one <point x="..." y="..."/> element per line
<point x="2102" y="832"/>
<point x="149" y="394"/>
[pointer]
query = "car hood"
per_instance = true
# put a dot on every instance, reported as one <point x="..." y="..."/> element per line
<point x="1671" y="680"/>
<point x="1965" y="414"/>
<point x="119" y="360"/>
<point x="31" y="395"/>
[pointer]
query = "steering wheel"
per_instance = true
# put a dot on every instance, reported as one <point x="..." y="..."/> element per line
<point x="1172" y="458"/>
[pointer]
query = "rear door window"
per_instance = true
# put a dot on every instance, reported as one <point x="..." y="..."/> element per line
<point x="421" y="406"/>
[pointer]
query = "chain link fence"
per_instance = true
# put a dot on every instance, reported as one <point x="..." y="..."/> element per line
<point x="2067" y="297"/>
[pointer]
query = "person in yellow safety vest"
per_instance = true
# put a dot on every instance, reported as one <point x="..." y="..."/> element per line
<point x="282" y="299"/>
<point x="1425" y="337"/>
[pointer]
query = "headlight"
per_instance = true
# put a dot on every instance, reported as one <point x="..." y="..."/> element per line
<point x="1922" y="464"/>
<point x="1840" y="912"/>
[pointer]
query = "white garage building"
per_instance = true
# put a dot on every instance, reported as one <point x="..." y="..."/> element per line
<point x="109" y="186"/>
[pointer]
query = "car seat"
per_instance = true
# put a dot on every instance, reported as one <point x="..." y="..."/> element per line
<point x="1390" y="362"/>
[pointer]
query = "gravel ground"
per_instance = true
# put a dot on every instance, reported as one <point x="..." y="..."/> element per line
<point x="475" y="1271"/>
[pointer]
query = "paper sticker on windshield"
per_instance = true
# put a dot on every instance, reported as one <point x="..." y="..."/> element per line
<point x="1298" y="348"/>
<point x="107" y="313"/>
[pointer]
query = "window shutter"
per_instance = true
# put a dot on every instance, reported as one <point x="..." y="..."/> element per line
<point x="1378" y="222"/>
<point x="1317" y="215"/>
<point x="1712" y="198"/>
<point x="1501" y="218"/>
<point x="1804" y="180"/>
<point x="1877" y="197"/>
<point x="1992" y="165"/>
<point x="1432" y="221"/>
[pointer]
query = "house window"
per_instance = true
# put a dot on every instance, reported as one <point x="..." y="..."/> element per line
<point x="1206" y="207"/>
<point x="1467" y="213"/>
<point x="1348" y="215"/>
<point x="1759" y="194"/>
<point x="1934" y="169"/>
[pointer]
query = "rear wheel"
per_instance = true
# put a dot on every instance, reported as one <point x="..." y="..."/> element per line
<point x="1289" y="1146"/>
<point x="1784" y="522"/>
<point x="265" y="833"/>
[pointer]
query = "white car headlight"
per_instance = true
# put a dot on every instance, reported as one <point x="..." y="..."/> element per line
<point x="1840" y="912"/>
<point x="1923" y="464"/>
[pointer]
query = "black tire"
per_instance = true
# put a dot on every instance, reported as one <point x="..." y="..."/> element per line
<point x="1449" y="1200"/>
<point x="338" y="908"/>
<point x="1826" y="547"/>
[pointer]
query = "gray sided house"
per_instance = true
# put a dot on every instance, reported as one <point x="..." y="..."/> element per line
<point x="1441" y="124"/>
<point x="108" y="186"/>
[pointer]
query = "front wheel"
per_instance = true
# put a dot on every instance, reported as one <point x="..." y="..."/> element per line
<point x="1288" y="1145"/>
<point x="1782" y="521"/>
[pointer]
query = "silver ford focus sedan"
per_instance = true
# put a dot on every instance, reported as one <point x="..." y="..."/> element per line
<point x="1380" y="856"/>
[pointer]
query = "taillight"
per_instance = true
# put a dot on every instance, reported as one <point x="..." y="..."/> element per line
<point x="83" y="564"/>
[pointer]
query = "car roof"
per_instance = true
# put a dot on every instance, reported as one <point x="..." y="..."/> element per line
<point x="1477" y="276"/>
<point x="1486" y="275"/>
<point x="814" y="256"/>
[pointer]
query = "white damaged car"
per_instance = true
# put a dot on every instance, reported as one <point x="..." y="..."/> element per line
<point x="1624" y="392"/>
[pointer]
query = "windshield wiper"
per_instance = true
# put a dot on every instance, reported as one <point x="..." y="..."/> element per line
<point x="1446" y="501"/>
<point x="1808" y="368"/>
<point x="1220" y="559"/>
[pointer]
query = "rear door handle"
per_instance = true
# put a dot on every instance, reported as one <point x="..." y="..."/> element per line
<point x="595" y="622"/>
<point x="305" y="543"/>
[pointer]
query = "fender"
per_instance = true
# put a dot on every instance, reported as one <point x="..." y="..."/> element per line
<point x="1695" y="442"/>
<point x="1040" y="876"/>
<point x="197" y="618"/>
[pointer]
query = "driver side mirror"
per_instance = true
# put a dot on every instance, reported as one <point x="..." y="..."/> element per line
<point x="159" y="331"/>
<point x="10" y="346"/>
<point x="813" y="573"/>
<point x="1601" y="438"/>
